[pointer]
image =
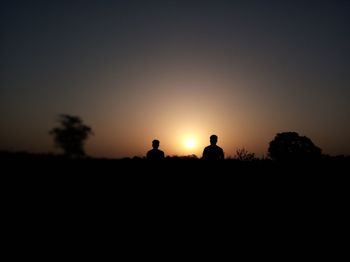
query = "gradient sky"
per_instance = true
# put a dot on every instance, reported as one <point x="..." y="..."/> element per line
<point x="175" y="70"/>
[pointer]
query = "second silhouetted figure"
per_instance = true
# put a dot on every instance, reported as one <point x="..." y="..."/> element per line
<point x="213" y="152"/>
<point x="155" y="153"/>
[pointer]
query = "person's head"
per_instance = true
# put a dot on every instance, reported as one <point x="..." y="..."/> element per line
<point x="213" y="139"/>
<point x="155" y="144"/>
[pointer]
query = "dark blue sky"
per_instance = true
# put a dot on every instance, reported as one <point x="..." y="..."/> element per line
<point x="135" y="70"/>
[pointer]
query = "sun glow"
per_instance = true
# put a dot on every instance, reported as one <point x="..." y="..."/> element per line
<point x="190" y="143"/>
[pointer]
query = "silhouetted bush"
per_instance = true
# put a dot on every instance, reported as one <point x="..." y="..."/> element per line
<point x="71" y="135"/>
<point x="243" y="155"/>
<point x="290" y="146"/>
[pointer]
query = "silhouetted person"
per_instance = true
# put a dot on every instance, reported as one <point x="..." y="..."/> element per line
<point x="155" y="153"/>
<point x="213" y="152"/>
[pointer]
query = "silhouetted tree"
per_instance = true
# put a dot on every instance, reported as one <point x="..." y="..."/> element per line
<point x="71" y="135"/>
<point x="291" y="146"/>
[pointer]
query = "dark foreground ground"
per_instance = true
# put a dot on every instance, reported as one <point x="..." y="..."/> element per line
<point x="46" y="164"/>
<point x="176" y="197"/>
<point x="189" y="181"/>
<point x="25" y="164"/>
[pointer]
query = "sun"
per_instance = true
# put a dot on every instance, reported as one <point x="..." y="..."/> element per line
<point x="190" y="143"/>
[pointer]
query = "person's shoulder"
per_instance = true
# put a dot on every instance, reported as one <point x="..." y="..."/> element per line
<point x="149" y="151"/>
<point x="207" y="147"/>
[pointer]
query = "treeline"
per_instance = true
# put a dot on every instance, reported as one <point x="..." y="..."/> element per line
<point x="71" y="134"/>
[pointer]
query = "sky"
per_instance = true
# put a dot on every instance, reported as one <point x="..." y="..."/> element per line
<point x="176" y="71"/>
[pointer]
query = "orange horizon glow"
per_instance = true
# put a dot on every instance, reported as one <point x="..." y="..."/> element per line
<point x="176" y="72"/>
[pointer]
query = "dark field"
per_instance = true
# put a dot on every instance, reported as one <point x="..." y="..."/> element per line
<point x="184" y="191"/>
<point x="172" y="166"/>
